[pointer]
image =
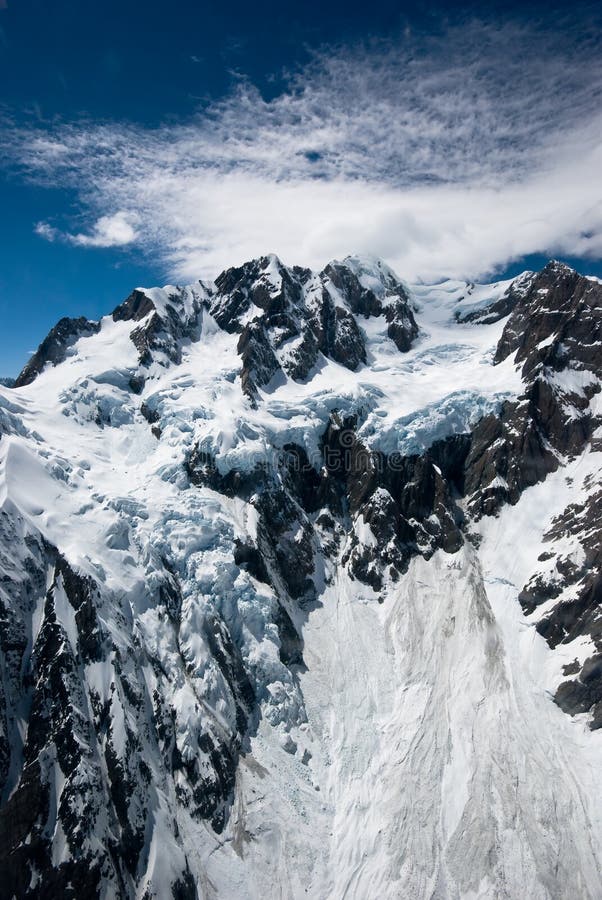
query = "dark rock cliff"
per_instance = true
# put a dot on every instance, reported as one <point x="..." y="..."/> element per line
<point x="55" y="347"/>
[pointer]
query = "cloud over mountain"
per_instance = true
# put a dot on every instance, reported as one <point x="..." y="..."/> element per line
<point x="450" y="154"/>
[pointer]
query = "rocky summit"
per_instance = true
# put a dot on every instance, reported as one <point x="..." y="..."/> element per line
<point x="300" y="592"/>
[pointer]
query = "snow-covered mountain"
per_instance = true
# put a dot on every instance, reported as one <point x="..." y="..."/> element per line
<point x="300" y="585"/>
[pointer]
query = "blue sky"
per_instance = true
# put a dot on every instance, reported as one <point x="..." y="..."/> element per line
<point x="145" y="143"/>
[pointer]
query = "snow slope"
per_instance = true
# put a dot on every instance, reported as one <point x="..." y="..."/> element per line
<point x="441" y="767"/>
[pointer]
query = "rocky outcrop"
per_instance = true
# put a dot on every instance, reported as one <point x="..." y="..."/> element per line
<point x="402" y="506"/>
<point x="571" y="573"/>
<point x="287" y="317"/>
<point x="168" y="319"/>
<point x="259" y="363"/>
<point x="260" y="285"/>
<point x="384" y="296"/>
<point x="555" y="334"/>
<point x="550" y="310"/>
<point x="55" y="771"/>
<point x="55" y="347"/>
<point x="134" y="308"/>
<point x="387" y="508"/>
<point x="490" y="312"/>
<point x="401" y="327"/>
<point x="362" y="301"/>
<point x="518" y="448"/>
<point x="337" y="333"/>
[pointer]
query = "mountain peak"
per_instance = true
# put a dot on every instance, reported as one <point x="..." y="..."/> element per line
<point x="555" y="265"/>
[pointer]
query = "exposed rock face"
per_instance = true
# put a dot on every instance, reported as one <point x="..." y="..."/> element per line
<point x="556" y="325"/>
<point x="287" y="317"/>
<point x="134" y="308"/>
<point x="385" y="295"/>
<point x="390" y="507"/>
<point x="362" y="301"/>
<point x="262" y="285"/>
<point x="396" y="506"/>
<point x="570" y="573"/>
<point x="555" y="332"/>
<point x="259" y="363"/>
<point x="387" y="298"/>
<point x="518" y="448"/>
<point x="500" y="308"/>
<point x="55" y="347"/>
<point x="60" y="736"/>
<point x="337" y="333"/>
<point x="90" y="742"/>
<point x="171" y="317"/>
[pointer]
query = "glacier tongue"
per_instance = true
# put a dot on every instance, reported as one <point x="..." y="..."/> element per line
<point x="439" y="767"/>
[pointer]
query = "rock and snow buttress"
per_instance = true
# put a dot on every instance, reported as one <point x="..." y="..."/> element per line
<point x="300" y="592"/>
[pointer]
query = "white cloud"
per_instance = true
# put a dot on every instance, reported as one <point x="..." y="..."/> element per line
<point x="445" y="155"/>
<point x="114" y="230"/>
<point x="46" y="231"/>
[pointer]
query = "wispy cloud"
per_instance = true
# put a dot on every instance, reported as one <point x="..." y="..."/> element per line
<point x="46" y="231"/>
<point x="448" y="154"/>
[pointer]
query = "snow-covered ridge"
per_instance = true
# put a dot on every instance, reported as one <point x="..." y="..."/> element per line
<point x="388" y="392"/>
<point x="263" y="548"/>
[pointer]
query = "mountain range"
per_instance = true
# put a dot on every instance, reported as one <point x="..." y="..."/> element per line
<point x="300" y="591"/>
